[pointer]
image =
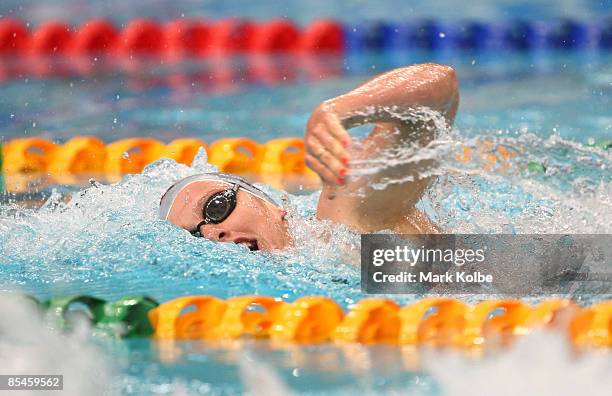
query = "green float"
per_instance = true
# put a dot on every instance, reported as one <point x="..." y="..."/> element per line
<point x="127" y="317"/>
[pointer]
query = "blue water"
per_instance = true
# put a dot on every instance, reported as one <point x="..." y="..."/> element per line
<point x="563" y="93"/>
<point x="345" y="10"/>
<point x="106" y="241"/>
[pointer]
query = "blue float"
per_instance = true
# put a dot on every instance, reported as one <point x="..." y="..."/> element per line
<point x="369" y="36"/>
<point x="428" y="34"/>
<point x="518" y="35"/>
<point x="473" y="35"/>
<point x="566" y="34"/>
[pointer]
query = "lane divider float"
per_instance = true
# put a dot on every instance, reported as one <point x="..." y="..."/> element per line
<point x="436" y="321"/>
<point x="193" y="37"/>
<point x="57" y="49"/>
<point x="185" y="37"/>
<point x="29" y="159"/>
<point x="25" y="161"/>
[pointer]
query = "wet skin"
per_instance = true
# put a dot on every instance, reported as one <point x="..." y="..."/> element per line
<point x="329" y="152"/>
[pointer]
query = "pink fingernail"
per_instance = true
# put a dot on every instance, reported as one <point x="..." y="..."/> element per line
<point x="343" y="172"/>
<point x="345" y="142"/>
<point x="344" y="160"/>
<point x="340" y="180"/>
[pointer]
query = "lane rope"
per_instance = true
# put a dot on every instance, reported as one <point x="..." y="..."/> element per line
<point x="193" y="37"/>
<point x="436" y="321"/>
<point x="27" y="161"/>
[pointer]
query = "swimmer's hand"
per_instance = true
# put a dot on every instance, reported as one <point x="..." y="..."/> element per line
<point x="377" y="101"/>
<point x="326" y="141"/>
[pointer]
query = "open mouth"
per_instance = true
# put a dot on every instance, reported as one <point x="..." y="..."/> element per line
<point x="251" y="244"/>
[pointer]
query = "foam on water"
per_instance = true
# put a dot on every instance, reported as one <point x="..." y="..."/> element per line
<point x="538" y="364"/>
<point x="107" y="241"/>
<point x="29" y="347"/>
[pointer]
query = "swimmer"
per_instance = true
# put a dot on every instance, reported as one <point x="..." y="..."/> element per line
<point x="226" y="208"/>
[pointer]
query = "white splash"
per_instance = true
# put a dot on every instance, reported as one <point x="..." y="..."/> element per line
<point x="28" y="347"/>
<point x="539" y="364"/>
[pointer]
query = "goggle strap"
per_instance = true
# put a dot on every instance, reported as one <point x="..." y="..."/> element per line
<point x="197" y="228"/>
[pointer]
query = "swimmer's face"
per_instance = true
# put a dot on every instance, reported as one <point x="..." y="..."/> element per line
<point x="254" y="222"/>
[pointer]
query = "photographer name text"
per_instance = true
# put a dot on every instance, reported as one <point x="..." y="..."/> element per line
<point x="430" y="277"/>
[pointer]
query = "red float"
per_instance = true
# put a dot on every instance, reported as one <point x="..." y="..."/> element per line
<point x="95" y="36"/>
<point x="141" y="37"/>
<point x="275" y="36"/>
<point x="231" y="36"/>
<point x="187" y="38"/>
<point x="13" y="36"/>
<point x="323" y="36"/>
<point x="51" y="38"/>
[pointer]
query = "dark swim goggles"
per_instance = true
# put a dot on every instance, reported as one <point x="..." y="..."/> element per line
<point x="217" y="208"/>
<point x="219" y="205"/>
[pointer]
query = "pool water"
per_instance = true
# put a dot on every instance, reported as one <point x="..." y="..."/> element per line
<point x="107" y="241"/>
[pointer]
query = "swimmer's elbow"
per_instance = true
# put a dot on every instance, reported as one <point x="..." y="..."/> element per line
<point x="444" y="71"/>
<point x="447" y="87"/>
<point x="441" y="79"/>
<point x="444" y="74"/>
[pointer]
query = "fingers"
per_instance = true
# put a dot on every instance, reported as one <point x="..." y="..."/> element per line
<point x="335" y="128"/>
<point x="317" y="166"/>
<point x="326" y="145"/>
<point x="330" y="143"/>
<point x="321" y="159"/>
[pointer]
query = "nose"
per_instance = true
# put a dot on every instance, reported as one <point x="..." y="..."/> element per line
<point x="222" y="235"/>
<point x="232" y="236"/>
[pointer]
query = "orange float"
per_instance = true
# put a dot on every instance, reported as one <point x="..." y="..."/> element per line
<point x="187" y="318"/>
<point x="482" y="325"/>
<point x="283" y="162"/>
<point x="27" y="155"/>
<point x="131" y="155"/>
<point x="83" y="155"/>
<point x="307" y="320"/>
<point x="235" y="155"/>
<point x="370" y="321"/>
<point x="284" y="155"/>
<point x="434" y="321"/>
<point x="183" y="150"/>
<point x="593" y="326"/>
<point x="250" y="316"/>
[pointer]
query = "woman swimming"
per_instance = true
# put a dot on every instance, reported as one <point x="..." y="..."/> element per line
<point x="226" y="208"/>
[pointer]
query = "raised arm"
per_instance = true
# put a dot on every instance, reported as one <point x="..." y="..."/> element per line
<point x="390" y="101"/>
<point x="383" y="99"/>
